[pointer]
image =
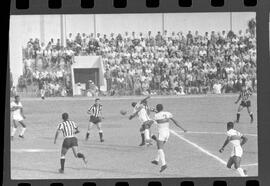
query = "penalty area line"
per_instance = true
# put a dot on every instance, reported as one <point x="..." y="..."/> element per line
<point x="205" y="151"/>
<point x="34" y="150"/>
<point x="250" y="165"/>
<point x="218" y="133"/>
<point x="199" y="148"/>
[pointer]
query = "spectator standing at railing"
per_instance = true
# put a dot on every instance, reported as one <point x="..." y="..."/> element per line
<point x="211" y="77"/>
<point x="164" y="85"/>
<point x="107" y="76"/>
<point x="189" y="38"/>
<point x="78" y="39"/>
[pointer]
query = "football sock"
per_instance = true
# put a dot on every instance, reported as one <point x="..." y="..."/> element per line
<point x="238" y="116"/>
<point x="147" y="134"/>
<point x="13" y="131"/>
<point x="162" y="156"/>
<point x="87" y="135"/>
<point x="251" y="115"/>
<point x="62" y="161"/>
<point x="23" y="130"/>
<point x="142" y="135"/>
<point x="154" y="137"/>
<point x="241" y="172"/>
<point x="100" y="134"/>
<point x="80" y="155"/>
<point x="157" y="157"/>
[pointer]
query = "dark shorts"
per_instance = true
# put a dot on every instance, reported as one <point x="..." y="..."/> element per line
<point x="245" y="103"/>
<point x="234" y="160"/>
<point x="70" y="142"/>
<point x="147" y="124"/>
<point x="95" y="120"/>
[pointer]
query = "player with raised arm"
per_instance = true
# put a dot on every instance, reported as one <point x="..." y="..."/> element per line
<point x="142" y="110"/>
<point x="95" y="112"/>
<point x="237" y="140"/>
<point x="69" y="129"/>
<point x="162" y="119"/>
<point x="244" y="96"/>
<point x="17" y="116"/>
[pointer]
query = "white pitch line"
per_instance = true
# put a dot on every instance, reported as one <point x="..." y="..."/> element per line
<point x="129" y="97"/>
<point x="249" y="165"/>
<point x="203" y="150"/>
<point x="199" y="148"/>
<point x="201" y="132"/>
<point x="34" y="150"/>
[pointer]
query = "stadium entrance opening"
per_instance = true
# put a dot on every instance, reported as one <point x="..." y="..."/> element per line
<point x="83" y="75"/>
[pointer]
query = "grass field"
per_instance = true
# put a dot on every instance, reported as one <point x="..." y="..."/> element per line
<point x="192" y="154"/>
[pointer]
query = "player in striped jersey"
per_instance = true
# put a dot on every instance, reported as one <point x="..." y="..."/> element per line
<point x="69" y="129"/>
<point x="237" y="140"/>
<point x="244" y="96"/>
<point x="95" y="112"/>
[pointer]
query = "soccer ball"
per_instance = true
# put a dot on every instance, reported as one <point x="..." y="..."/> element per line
<point x="123" y="112"/>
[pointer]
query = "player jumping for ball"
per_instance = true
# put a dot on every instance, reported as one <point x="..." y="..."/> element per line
<point x="17" y="116"/>
<point x="69" y="129"/>
<point x="142" y="111"/>
<point x="244" y="96"/>
<point x="162" y="119"/>
<point x="237" y="140"/>
<point x="95" y="118"/>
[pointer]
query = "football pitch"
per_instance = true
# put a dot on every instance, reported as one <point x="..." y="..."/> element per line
<point x="191" y="154"/>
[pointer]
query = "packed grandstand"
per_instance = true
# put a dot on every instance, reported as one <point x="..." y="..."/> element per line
<point x="165" y="63"/>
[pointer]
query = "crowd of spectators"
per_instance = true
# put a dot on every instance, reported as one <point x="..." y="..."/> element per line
<point x="162" y="63"/>
<point x="47" y="67"/>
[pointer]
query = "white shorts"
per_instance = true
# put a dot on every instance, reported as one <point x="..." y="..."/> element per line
<point x="163" y="135"/>
<point x="17" y="118"/>
<point x="237" y="151"/>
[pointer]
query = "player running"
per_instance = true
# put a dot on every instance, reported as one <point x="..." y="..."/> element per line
<point x="95" y="118"/>
<point x="17" y="116"/>
<point x="142" y="111"/>
<point x="69" y="129"/>
<point x="237" y="140"/>
<point x="244" y="96"/>
<point x="162" y="119"/>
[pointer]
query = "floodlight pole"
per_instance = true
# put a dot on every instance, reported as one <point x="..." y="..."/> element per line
<point x="162" y="21"/>
<point x="63" y="30"/>
<point x="42" y="29"/>
<point x="231" y="21"/>
<point x="95" y="28"/>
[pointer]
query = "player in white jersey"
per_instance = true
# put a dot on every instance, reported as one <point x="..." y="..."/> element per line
<point x="17" y="116"/>
<point x="162" y="119"/>
<point x="141" y="110"/>
<point x="237" y="140"/>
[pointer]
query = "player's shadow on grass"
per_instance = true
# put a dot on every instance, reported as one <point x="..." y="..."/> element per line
<point x="35" y="170"/>
<point x="203" y="122"/>
<point x="119" y="171"/>
<point x="113" y="126"/>
<point x="251" y="152"/>
<point x="113" y="147"/>
<point x="220" y="122"/>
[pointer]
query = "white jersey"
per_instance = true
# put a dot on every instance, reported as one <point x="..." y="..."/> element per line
<point x="235" y="141"/>
<point x="142" y="114"/>
<point x="162" y="119"/>
<point x="16" y="114"/>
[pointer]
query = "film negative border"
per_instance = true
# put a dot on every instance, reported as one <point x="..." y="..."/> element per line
<point x="139" y="6"/>
<point x="56" y="4"/>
